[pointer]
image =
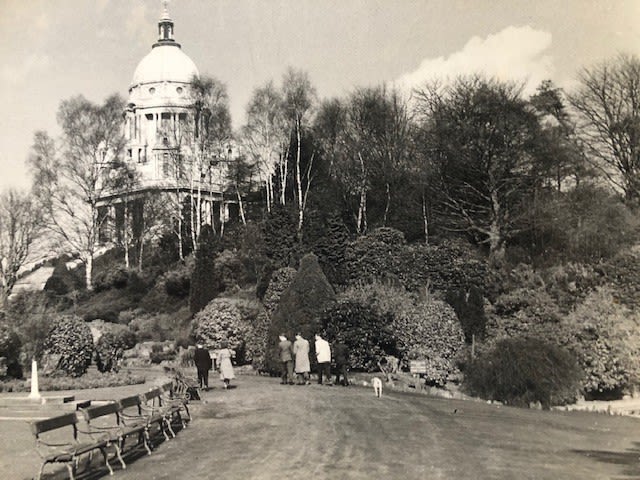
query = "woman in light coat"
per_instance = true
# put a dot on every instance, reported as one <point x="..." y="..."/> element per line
<point x="225" y="354"/>
<point x="301" y="353"/>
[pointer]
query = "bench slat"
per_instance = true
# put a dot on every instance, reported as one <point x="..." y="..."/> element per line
<point x="53" y="423"/>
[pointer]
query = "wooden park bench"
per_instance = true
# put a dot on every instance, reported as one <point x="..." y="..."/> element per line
<point x="134" y="419"/>
<point x="105" y="421"/>
<point x="57" y="441"/>
<point x="157" y="412"/>
<point x="176" y="400"/>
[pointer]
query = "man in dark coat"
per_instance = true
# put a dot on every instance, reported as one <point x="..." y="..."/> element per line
<point x="203" y="362"/>
<point x="286" y="359"/>
<point x="341" y="357"/>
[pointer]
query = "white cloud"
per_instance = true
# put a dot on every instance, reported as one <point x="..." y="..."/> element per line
<point x="30" y="65"/>
<point x="513" y="54"/>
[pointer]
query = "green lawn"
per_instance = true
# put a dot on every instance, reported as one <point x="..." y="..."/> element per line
<point x="263" y="430"/>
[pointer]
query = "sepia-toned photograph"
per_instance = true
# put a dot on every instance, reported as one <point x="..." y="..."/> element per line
<point x="325" y="239"/>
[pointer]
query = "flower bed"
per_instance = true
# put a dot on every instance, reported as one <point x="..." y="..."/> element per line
<point x="91" y="379"/>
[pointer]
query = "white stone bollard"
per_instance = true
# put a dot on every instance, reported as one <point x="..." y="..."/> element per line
<point x="35" y="393"/>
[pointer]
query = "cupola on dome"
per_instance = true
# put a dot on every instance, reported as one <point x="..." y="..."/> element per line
<point x="166" y="62"/>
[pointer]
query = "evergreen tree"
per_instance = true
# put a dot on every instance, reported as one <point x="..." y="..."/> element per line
<point x="300" y="307"/>
<point x="331" y="249"/>
<point x="280" y="236"/>
<point x="204" y="284"/>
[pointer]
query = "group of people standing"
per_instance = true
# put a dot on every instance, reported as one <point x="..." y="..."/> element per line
<point x="204" y="363"/>
<point x="295" y="358"/>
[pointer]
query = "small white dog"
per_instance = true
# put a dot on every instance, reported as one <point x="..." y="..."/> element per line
<point x="377" y="386"/>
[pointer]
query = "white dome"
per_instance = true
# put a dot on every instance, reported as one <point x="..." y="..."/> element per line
<point x="165" y="63"/>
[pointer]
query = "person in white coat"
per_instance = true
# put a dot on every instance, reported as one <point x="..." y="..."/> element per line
<point x="323" y="354"/>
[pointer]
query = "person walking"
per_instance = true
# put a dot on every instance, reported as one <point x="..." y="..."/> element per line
<point x="341" y="359"/>
<point x="225" y="354"/>
<point x="323" y="354"/>
<point x="203" y="362"/>
<point x="302" y="365"/>
<point x="286" y="360"/>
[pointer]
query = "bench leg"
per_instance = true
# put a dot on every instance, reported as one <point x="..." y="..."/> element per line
<point x="41" y="470"/>
<point x="167" y="421"/>
<point x="146" y="439"/>
<point x="119" y="454"/>
<point x="106" y="459"/>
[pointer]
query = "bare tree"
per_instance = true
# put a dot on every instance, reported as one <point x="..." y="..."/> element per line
<point x="20" y="223"/>
<point x="71" y="184"/>
<point x="266" y="139"/>
<point x="608" y="104"/>
<point x="299" y="98"/>
<point x="481" y="137"/>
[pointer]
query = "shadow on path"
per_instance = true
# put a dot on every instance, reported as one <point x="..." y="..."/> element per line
<point x="629" y="459"/>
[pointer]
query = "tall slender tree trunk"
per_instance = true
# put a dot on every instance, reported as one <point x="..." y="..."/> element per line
<point x="241" y="206"/>
<point x="125" y="234"/>
<point x="425" y="220"/>
<point x="361" y="224"/>
<point x="299" y="177"/>
<point x="387" y="205"/>
<point x="88" y="271"/>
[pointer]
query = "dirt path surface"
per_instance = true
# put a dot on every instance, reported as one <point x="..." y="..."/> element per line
<point x="263" y="430"/>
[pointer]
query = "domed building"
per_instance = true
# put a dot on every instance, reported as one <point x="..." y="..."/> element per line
<point x="162" y="146"/>
<point x="160" y="104"/>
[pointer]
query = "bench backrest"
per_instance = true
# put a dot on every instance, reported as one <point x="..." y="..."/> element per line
<point x="152" y="395"/>
<point x="53" y="423"/>
<point x="101" y="410"/>
<point x="128" y="402"/>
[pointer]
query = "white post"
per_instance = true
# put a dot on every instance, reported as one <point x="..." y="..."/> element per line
<point x="35" y="394"/>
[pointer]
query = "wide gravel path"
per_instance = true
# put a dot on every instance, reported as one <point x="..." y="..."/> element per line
<point x="264" y="430"/>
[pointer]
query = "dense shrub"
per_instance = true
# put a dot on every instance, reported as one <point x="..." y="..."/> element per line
<point x="222" y="320"/>
<point x="159" y="327"/>
<point x="425" y="329"/>
<point x="605" y="337"/>
<point x="280" y="281"/>
<point x="177" y="281"/>
<point x="71" y="339"/>
<point x="431" y="331"/>
<point x="622" y="273"/>
<point x="10" y="349"/>
<point x="115" y="277"/>
<point x="229" y="270"/>
<point x="520" y="371"/>
<point x="367" y="334"/>
<point x="300" y="307"/>
<point x="384" y="254"/>
<point x="110" y="348"/>
<point x="525" y="312"/>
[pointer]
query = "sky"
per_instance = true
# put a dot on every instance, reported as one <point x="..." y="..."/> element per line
<point x="53" y="50"/>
